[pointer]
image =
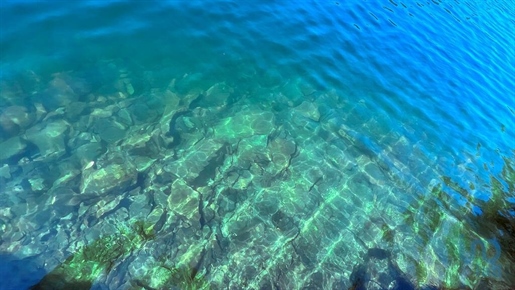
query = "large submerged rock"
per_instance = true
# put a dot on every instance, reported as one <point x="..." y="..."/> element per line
<point x="216" y="96"/>
<point x="12" y="147"/>
<point x="13" y="119"/>
<point x="49" y="138"/>
<point x="109" y="130"/>
<point x="114" y="177"/>
<point x="244" y="125"/>
<point x="183" y="200"/>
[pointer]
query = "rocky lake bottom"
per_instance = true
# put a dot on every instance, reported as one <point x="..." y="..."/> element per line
<point x="202" y="184"/>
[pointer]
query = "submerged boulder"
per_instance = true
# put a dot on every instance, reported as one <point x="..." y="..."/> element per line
<point x="244" y="125"/>
<point x="114" y="177"/>
<point x="109" y="130"/>
<point x="49" y="138"/>
<point x="13" y="119"/>
<point x="216" y="96"/>
<point x="308" y="110"/>
<point x="11" y="148"/>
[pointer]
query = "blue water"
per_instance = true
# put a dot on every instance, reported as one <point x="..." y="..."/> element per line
<point x="437" y="75"/>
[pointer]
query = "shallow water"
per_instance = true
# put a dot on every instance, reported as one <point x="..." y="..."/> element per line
<point x="322" y="145"/>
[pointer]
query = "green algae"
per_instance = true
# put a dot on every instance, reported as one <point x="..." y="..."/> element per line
<point x="167" y="277"/>
<point x="188" y="279"/>
<point x="388" y="233"/>
<point x="83" y="267"/>
<point x="452" y="279"/>
<point x="145" y="230"/>
<point x="91" y="261"/>
<point x="421" y="272"/>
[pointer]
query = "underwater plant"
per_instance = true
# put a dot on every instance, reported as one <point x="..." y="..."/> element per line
<point x="80" y="270"/>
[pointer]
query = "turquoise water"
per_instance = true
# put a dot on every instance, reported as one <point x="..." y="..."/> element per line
<point x="228" y="145"/>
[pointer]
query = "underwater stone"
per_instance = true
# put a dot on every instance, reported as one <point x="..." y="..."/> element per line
<point x="66" y="177"/>
<point x="263" y="124"/>
<point x="49" y="139"/>
<point x="308" y="110"/>
<point x="74" y="110"/>
<point x="109" y="130"/>
<point x="89" y="152"/>
<point x="279" y="151"/>
<point x="293" y="93"/>
<point x="155" y="215"/>
<point x="173" y="106"/>
<point x="37" y="184"/>
<point x="107" y="204"/>
<point x="129" y="87"/>
<point x="5" y="171"/>
<point x="191" y="82"/>
<point x="245" y="124"/>
<point x="249" y="149"/>
<point x="140" y="206"/>
<point x="143" y="163"/>
<point x="216" y="96"/>
<point x="267" y="207"/>
<point x="125" y="116"/>
<point x="60" y="92"/>
<point x="375" y="175"/>
<point x="210" y="169"/>
<point x="101" y="113"/>
<point x="306" y="89"/>
<point x="15" y="118"/>
<point x="184" y="201"/>
<point x="142" y="143"/>
<point x="142" y="113"/>
<point x="190" y="165"/>
<point x="40" y="111"/>
<point x="79" y="85"/>
<point x="11" y="147"/>
<point x="112" y="177"/>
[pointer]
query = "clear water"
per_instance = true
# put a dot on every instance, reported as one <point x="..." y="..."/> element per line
<point x="232" y="145"/>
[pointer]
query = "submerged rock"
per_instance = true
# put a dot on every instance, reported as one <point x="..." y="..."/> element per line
<point x="184" y="201"/>
<point x="49" y="138"/>
<point x="89" y="152"/>
<point x="13" y="119"/>
<point x="244" y="125"/>
<point x="75" y="109"/>
<point x="58" y="94"/>
<point x="114" y="177"/>
<point x="191" y="82"/>
<point x="194" y="162"/>
<point x="308" y="110"/>
<point x="109" y="130"/>
<point x="142" y="113"/>
<point x="5" y="171"/>
<point x="12" y="147"/>
<point x="216" y="96"/>
<point x="292" y="91"/>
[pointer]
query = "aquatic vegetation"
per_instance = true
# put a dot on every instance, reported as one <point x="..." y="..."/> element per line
<point x="167" y="276"/>
<point x="452" y="271"/>
<point x="97" y="258"/>
<point x="498" y="214"/>
<point x="145" y="230"/>
<point x="388" y="233"/>
<point x="421" y="271"/>
<point x="83" y="267"/>
<point x="188" y="279"/>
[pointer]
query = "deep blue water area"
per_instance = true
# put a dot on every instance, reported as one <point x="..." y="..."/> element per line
<point x="408" y="107"/>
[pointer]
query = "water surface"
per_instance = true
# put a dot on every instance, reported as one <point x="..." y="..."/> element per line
<point x="323" y="145"/>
